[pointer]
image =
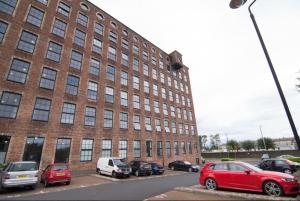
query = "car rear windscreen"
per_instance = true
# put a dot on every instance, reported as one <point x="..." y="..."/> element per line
<point x="59" y="167"/>
<point x="16" y="167"/>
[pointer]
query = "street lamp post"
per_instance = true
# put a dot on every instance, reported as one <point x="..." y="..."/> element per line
<point x="238" y="3"/>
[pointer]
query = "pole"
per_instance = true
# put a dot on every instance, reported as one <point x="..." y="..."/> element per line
<point x="288" y="113"/>
<point x="227" y="145"/>
<point x="262" y="136"/>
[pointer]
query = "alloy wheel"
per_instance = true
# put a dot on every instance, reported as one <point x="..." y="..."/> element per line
<point x="172" y="168"/>
<point x="272" y="189"/>
<point x="211" y="184"/>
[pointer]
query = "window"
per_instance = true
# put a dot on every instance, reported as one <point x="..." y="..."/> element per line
<point x="112" y="53"/>
<point x="146" y="69"/>
<point x="188" y="102"/>
<point x="4" y="144"/>
<point x="9" y="104"/>
<point x="169" y="82"/>
<point x="82" y="19"/>
<point x="84" y="7"/>
<point x="90" y="116"/>
<point x="171" y="96"/>
<point x="161" y="64"/>
<point x="180" y="128"/>
<point x="159" y="149"/>
<point x="162" y="78"/>
<point x="183" y="149"/>
<point x="178" y="113"/>
<point x="113" y="36"/>
<point x="97" y="46"/>
<point x="99" y="16"/>
<point x="8" y="7"/>
<point x="192" y="130"/>
<point x="123" y="120"/>
<point x="124" y="78"/>
<point x="33" y="149"/>
<point x="148" y="124"/>
<point x="172" y="111"/>
<point x="106" y="148"/>
<point x="174" y="127"/>
<point x="124" y="98"/>
<point x="146" y="87"/>
<point x="136" y="122"/>
<point x="136" y="64"/>
<point x="157" y="125"/>
<point x="147" y="104"/>
<point x="136" y="101"/>
<point x="184" y="115"/>
<point x="109" y="94"/>
<point x="108" y="119"/>
<point x="123" y="148"/>
<point x="68" y="113"/>
<point x="45" y="2"/>
<point x="166" y="125"/>
<point x="176" y="148"/>
<point x="153" y="60"/>
<point x="86" y="150"/>
<point x="41" y="109"/>
<point x="35" y="16"/>
<point x="168" y="148"/>
<point x="145" y="55"/>
<point x="176" y="84"/>
<point x="54" y="51"/>
<point x="76" y="60"/>
<point x="156" y="107"/>
<point x="72" y="85"/>
<point x="18" y="71"/>
<point x="125" y="44"/>
<point x="59" y="28"/>
<point x="79" y="38"/>
<point x="136" y="50"/>
<point x="183" y="100"/>
<point x="3" y="28"/>
<point x="48" y="78"/>
<point x="177" y="98"/>
<point x="92" y="90"/>
<point x="163" y="93"/>
<point x="124" y="60"/>
<point x="187" y="89"/>
<point x="63" y="9"/>
<point x="27" y="42"/>
<point x="149" y="148"/>
<point x="94" y="67"/>
<point x="165" y="111"/>
<point x="155" y="90"/>
<point x="136" y="83"/>
<point x="62" y="152"/>
<point x="137" y="148"/>
<point x="154" y="74"/>
<point x="190" y="115"/>
<point x="110" y="73"/>
<point x="223" y="167"/>
<point x="190" y="147"/>
<point x="98" y="28"/>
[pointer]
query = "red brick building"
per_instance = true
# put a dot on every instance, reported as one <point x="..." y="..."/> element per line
<point x="77" y="84"/>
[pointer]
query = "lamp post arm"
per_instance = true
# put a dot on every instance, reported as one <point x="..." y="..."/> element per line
<point x="249" y="8"/>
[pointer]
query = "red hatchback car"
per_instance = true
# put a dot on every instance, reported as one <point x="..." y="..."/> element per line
<point x="56" y="173"/>
<point x="243" y="176"/>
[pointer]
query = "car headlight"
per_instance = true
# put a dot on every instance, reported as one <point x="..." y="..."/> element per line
<point x="288" y="179"/>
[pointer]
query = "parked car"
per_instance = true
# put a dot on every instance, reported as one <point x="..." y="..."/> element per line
<point x="56" y="173"/>
<point x="265" y="156"/>
<point x="183" y="165"/>
<point x="286" y="156"/>
<point x="157" y="169"/>
<point x="279" y="165"/>
<point x="115" y="167"/>
<point x="19" y="174"/>
<point x="140" y="168"/>
<point x="243" y="176"/>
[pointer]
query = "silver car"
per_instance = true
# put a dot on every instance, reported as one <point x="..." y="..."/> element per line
<point x="15" y="174"/>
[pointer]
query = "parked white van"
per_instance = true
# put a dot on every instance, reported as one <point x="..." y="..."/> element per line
<point x="113" y="166"/>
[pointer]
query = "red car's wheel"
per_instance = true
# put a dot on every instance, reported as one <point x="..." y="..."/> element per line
<point x="272" y="188"/>
<point x="211" y="184"/>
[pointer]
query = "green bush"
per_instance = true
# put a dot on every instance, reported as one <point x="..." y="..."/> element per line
<point x="2" y="165"/>
<point x="227" y="159"/>
<point x="295" y="159"/>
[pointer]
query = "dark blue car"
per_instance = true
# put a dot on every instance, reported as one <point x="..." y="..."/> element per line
<point x="157" y="169"/>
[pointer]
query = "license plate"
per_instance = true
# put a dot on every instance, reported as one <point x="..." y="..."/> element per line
<point x="60" y="174"/>
<point x="22" y="176"/>
<point x="126" y="172"/>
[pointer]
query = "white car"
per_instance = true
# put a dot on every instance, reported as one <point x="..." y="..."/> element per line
<point x="114" y="167"/>
<point x="286" y="156"/>
<point x="23" y="173"/>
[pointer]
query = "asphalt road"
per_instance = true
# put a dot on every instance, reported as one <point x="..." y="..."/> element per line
<point x="122" y="190"/>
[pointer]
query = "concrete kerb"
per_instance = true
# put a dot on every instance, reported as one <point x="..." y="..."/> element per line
<point x="248" y="196"/>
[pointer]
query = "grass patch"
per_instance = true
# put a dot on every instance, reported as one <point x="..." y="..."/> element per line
<point x="295" y="159"/>
<point x="227" y="159"/>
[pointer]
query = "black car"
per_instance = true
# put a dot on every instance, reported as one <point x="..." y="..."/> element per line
<point x="279" y="165"/>
<point x="157" y="169"/>
<point x="183" y="165"/>
<point x="140" y="168"/>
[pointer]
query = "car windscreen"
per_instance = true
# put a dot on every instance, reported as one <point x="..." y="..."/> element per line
<point x="59" y="167"/>
<point x="118" y="162"/>
<point x="187" y="163"/>
<point x="17" y="167"/>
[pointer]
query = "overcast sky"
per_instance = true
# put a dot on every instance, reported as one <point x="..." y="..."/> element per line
<point x="233" y="89"/>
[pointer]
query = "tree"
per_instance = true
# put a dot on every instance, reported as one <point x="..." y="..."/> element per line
<point x="233" y="145"/>
<point x="248" y="145"/>
<point x="203" y="141"/>
<point x="214" y="141"/>
<point x="269" y="143"/>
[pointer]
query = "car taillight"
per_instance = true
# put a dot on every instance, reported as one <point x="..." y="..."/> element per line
<point x="51" y="175"/>
<point x="6" y="176"/>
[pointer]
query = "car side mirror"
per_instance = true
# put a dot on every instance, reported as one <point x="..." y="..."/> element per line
<point x="247" y="171"/>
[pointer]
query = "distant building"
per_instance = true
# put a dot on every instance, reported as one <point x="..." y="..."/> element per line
<point x="285" y="143"/>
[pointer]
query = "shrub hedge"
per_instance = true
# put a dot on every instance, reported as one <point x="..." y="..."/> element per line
<point x="295" y="159"/>
<point x="227" y="159"/>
